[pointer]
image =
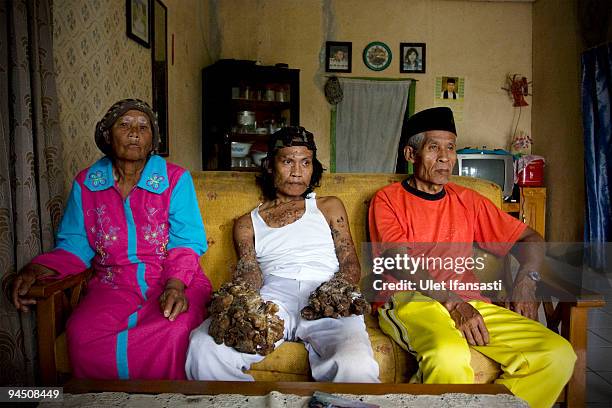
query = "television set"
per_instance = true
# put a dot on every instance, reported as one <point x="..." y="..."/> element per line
<point x="494" y="167"/>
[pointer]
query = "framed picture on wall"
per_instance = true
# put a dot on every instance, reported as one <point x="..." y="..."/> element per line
<point x="377" y="56"/>
<point x="138" y="21"/>
<point x="412" y="58"/>
<point x="338" y="56"/>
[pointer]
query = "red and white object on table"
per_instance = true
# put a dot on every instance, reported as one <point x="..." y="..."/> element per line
<point x="529" y="171"/>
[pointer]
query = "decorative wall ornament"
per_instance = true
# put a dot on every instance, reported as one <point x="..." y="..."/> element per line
<point x="333" y="91"/>
<point x="377" y="56"/>
<point x="517" y="88"/>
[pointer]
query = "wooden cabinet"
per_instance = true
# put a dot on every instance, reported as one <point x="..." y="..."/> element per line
<point x="270" y="94"/>
<point x="531" y="208"/>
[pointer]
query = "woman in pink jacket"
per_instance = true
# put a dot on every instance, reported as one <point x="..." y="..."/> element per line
<point x="134" y="219"/>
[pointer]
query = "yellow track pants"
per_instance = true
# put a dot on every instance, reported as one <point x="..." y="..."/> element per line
<point x="536" y="362"/>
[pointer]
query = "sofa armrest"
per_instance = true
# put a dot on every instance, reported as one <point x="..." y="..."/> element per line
<point x="44" y="288"/>
<point x="555" y="287"/>
<point x="55" y="300"/>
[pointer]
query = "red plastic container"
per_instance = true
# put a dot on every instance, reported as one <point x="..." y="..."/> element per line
<point x="532" y="175"/>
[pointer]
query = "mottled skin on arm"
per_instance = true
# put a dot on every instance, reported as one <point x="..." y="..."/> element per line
<point x="247" y="268"/>
<point x="335" y="214"/>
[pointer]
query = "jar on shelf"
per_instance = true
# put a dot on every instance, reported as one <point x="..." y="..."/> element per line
<point x="269" y="94"/>
<point x="282" y="94"/>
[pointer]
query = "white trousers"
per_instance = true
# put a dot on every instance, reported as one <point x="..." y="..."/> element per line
<point x="339" y="350"/>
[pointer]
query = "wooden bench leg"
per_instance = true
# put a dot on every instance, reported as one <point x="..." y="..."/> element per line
<point x="576" y="333"/>
<point x="45" y="320"/>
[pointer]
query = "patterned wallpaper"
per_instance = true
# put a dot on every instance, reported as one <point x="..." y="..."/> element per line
<point x="96" y="64"/>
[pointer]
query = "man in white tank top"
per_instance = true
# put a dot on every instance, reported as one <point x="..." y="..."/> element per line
<point x="287" y="247"/>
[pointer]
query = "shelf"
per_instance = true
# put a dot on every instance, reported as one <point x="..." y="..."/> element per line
<point x="510" y="207"/>
<point x="220" y="124"/>
<point x="249" y="137"/>
<point x="246" y="169"/>
<point x="253" y="105"/>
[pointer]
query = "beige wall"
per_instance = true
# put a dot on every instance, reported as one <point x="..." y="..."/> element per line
<point x="557" y="127"/>
<point x="481" y="41"/>
<point x="186" y="20"/>
<point x="97" y="65"/>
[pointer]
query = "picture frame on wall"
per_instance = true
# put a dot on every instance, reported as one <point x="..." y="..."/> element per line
<point x="138" y="21"/>
<point x="412" y="58"/>
<point x="377" y="56"/>
<point x="338" y="56"/>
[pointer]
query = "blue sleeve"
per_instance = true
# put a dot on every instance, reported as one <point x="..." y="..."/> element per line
<point x="186" y="226"/>
<point x="72" y="253"/>
<point x="72" y="236"/>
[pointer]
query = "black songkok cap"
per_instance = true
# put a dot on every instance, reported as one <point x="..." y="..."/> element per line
<point x="440" y="118"/>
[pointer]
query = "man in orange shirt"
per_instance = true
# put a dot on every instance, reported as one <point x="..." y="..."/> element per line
<point x="426" y="216"/>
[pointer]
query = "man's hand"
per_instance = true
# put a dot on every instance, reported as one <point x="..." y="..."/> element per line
<point x="470" y="322"/>
<point x="173" y="301"/>
<point x="24" y="281"/>
<point x="335" y="298"/>
<point x="523" y="299"/>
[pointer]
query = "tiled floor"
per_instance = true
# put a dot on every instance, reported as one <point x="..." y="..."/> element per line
<point x="599" y="351"/>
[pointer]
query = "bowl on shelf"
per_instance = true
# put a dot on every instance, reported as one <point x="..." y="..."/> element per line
<point x="240" y="149"/>
<point x="258" y="157"/>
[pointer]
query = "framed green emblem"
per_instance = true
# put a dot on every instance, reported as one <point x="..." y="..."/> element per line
<point x="377" y="56"/>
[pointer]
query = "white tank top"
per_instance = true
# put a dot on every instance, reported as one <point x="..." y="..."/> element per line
<point x="302" y="250"/>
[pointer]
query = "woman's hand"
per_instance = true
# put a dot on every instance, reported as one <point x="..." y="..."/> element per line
<point x="24" y="281"/>
<point x="173" y="301"/>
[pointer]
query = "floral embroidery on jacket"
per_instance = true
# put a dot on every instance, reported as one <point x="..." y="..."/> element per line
<point x="108" y="277"/>
<point x="98" y="178"/>
<point x="156" y="234"/>
<point x="105" y="236"/>
<point x="154" y="180"/>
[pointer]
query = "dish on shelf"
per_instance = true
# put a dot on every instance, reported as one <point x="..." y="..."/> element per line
<point x="258" y="157"/>
<point x="240" y="149"/>
<point x="246" y="118"/>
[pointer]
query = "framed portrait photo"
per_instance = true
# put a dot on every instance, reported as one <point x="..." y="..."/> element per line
<point x="338" y="56"/>
<point x="138" y="20"/>
<point x="412" y="58"/>
<point x="377" y="56"/>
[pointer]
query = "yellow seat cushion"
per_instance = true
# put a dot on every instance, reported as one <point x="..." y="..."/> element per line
<point x="290" y="358"/>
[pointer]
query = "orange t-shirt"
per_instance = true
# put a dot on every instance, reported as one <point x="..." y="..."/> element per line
<point x="401" y="214"/>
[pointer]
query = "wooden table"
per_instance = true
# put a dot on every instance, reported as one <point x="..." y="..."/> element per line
<point x="75" y="386"/>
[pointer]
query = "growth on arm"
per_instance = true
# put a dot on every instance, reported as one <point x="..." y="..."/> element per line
<point x="336" y="216"/>
<point x="247" y="268"/>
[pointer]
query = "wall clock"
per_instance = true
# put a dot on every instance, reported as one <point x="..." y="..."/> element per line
<point x="377" y="56"/>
